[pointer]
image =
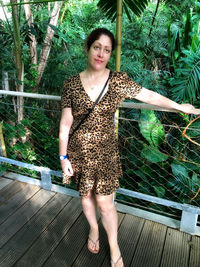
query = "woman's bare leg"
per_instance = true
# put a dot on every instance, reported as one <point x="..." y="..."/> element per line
<point x="110" y="222"/>
<point x="89" y="209"/>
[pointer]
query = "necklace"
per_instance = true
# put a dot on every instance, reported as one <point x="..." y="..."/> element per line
<point x="94" y="87"/>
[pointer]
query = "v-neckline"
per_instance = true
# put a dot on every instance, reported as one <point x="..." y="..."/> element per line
<point x="83" y="89"/>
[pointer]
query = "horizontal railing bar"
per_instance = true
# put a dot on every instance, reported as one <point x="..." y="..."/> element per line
<point x="30" y="166"/>
<point x="165" y="202"/>
<point x="58" y="98"/>
<point x="161" y="201"/>
<point x="146" y="106"/>
<point x="30" y="95"/>
<point x="24" y="165"/>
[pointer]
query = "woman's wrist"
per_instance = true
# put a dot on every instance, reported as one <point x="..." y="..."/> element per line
<point x="63" y="157"/>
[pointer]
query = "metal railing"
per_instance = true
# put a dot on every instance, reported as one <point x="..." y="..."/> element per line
<point x="161" y="173"/>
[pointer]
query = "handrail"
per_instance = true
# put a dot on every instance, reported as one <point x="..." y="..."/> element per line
<point x="58" y="98"/>
<point x="30" y="95"/>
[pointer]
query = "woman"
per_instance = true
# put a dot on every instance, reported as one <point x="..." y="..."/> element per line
<point x="93" y="153"/>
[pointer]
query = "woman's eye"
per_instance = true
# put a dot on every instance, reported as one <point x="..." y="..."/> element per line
<point x="96" y="47"/>
<point x="107" y="51"/>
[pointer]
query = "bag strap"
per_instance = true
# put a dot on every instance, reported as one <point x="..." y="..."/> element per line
<point x="90" y="110"/>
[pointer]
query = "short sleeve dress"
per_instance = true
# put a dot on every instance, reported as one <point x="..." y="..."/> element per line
<point x="93" y="148"/>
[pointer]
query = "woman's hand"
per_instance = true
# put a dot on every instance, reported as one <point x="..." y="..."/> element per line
<point x="67" y="167"/>
<point x="189" y="109"/>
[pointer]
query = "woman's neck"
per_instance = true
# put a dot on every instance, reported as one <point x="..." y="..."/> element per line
<point x="89" y="72"/>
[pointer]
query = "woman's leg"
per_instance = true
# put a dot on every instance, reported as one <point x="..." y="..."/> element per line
<point x="89" y="209"/>
<point x="110" y="222"/>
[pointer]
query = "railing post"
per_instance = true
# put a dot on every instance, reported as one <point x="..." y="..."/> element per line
<point x="188" y="222"/>
<point x="0" y="168"/>
<point x="1" y="147"/>
<point x="46" y="179"/>
<point x="2" y="143"/>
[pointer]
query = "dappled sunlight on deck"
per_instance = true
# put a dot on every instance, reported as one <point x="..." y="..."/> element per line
<point x="44" y="228"/>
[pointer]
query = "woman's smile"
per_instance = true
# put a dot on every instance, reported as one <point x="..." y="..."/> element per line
<point x="99" y="61"/>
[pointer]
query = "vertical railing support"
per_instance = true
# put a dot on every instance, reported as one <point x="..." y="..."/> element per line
<point x="0" y="168"/>
<point x="46" y="179"/>
<point x="188" y="222"/>
<point x="2" y="143"/>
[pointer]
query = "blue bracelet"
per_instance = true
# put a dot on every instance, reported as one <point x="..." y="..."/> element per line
<point x="63" y="157"/>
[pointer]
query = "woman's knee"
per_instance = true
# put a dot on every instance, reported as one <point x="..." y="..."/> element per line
<point x="105" y="205"/>
<point x="88" y="198"/>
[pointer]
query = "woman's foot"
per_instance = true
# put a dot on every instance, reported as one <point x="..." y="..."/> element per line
<point x="118" y="262"/>
<point x="93" y="241"/>
<point x="116" y="258"/>
<point x="93" y="246"/>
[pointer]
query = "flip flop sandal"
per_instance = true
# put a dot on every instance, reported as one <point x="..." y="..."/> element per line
<point x="95" y="251"/>
<point x="114" y="264"/>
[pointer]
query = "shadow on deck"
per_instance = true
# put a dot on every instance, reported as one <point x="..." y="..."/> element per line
<point x="43" y="228"/>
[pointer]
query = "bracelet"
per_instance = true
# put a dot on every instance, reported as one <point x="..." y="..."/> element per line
<point x="63" y="157"/>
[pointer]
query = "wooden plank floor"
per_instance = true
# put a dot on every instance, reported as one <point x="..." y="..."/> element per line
<point x="43" y="228"/>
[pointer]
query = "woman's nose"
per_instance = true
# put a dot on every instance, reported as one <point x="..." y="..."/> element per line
<point x="100" y="54"/>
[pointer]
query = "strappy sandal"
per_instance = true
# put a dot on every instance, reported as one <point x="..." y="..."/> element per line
<point x="95" y="244"/>
<point x="114" y="264"/>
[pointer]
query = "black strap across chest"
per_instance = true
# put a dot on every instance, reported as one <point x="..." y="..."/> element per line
<point x="92" y="108"/>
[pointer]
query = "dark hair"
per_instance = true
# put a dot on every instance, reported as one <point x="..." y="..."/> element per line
<point x="95" y="35"/>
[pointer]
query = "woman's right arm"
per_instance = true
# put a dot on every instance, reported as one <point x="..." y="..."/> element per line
<point x="65" y="125"/>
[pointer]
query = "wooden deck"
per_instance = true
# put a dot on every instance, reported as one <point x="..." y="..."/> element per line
<point x="43" y="228"/>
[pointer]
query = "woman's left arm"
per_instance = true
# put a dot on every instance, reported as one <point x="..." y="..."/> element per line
<point x="153" y="98"/>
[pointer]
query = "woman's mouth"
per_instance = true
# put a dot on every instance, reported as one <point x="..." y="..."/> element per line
<point x="99" y="61"/>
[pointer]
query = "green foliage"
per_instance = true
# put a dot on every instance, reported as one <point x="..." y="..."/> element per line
<point x="153" y="155"/>
<point x="32" y="75"/>
<point x="194" y="130"/>
<point x="174" y="44"/>
<point x="186" y="81"/>
<point x="151" y="128"/>
<point x="186" y="183"/>
<point x="6" y="45"/>
<point x="177" y="8"/>
<point x="187" y="31"/>
<point x="33" y="137"/>
<point x="110" y="7"/>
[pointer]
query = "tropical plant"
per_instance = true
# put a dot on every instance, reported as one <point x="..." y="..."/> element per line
<point x="180" y="39"/>
<point x="110" y="7"/>
<point x="186" y="81"/>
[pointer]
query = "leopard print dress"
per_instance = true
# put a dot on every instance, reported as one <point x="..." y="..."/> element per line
<point x="93" y="148"/>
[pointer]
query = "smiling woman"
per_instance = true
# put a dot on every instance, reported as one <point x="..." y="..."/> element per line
<point x="88" y="147"/>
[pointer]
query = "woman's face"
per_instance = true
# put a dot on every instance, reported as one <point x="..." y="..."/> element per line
<point x="99" y="53"/>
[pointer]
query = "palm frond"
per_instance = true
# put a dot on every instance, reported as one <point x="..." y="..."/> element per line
<point x="110" y="7"/>
<point x="187" y="78"/>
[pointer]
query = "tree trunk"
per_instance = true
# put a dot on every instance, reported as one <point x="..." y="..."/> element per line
<point x="20" y="100"/>
<point x="63" y="13"/>
<point x="154" y="17"/>
<point x="32" y="42"/>
<point x="18" y="58"/>
<point x="47" y="42"/>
